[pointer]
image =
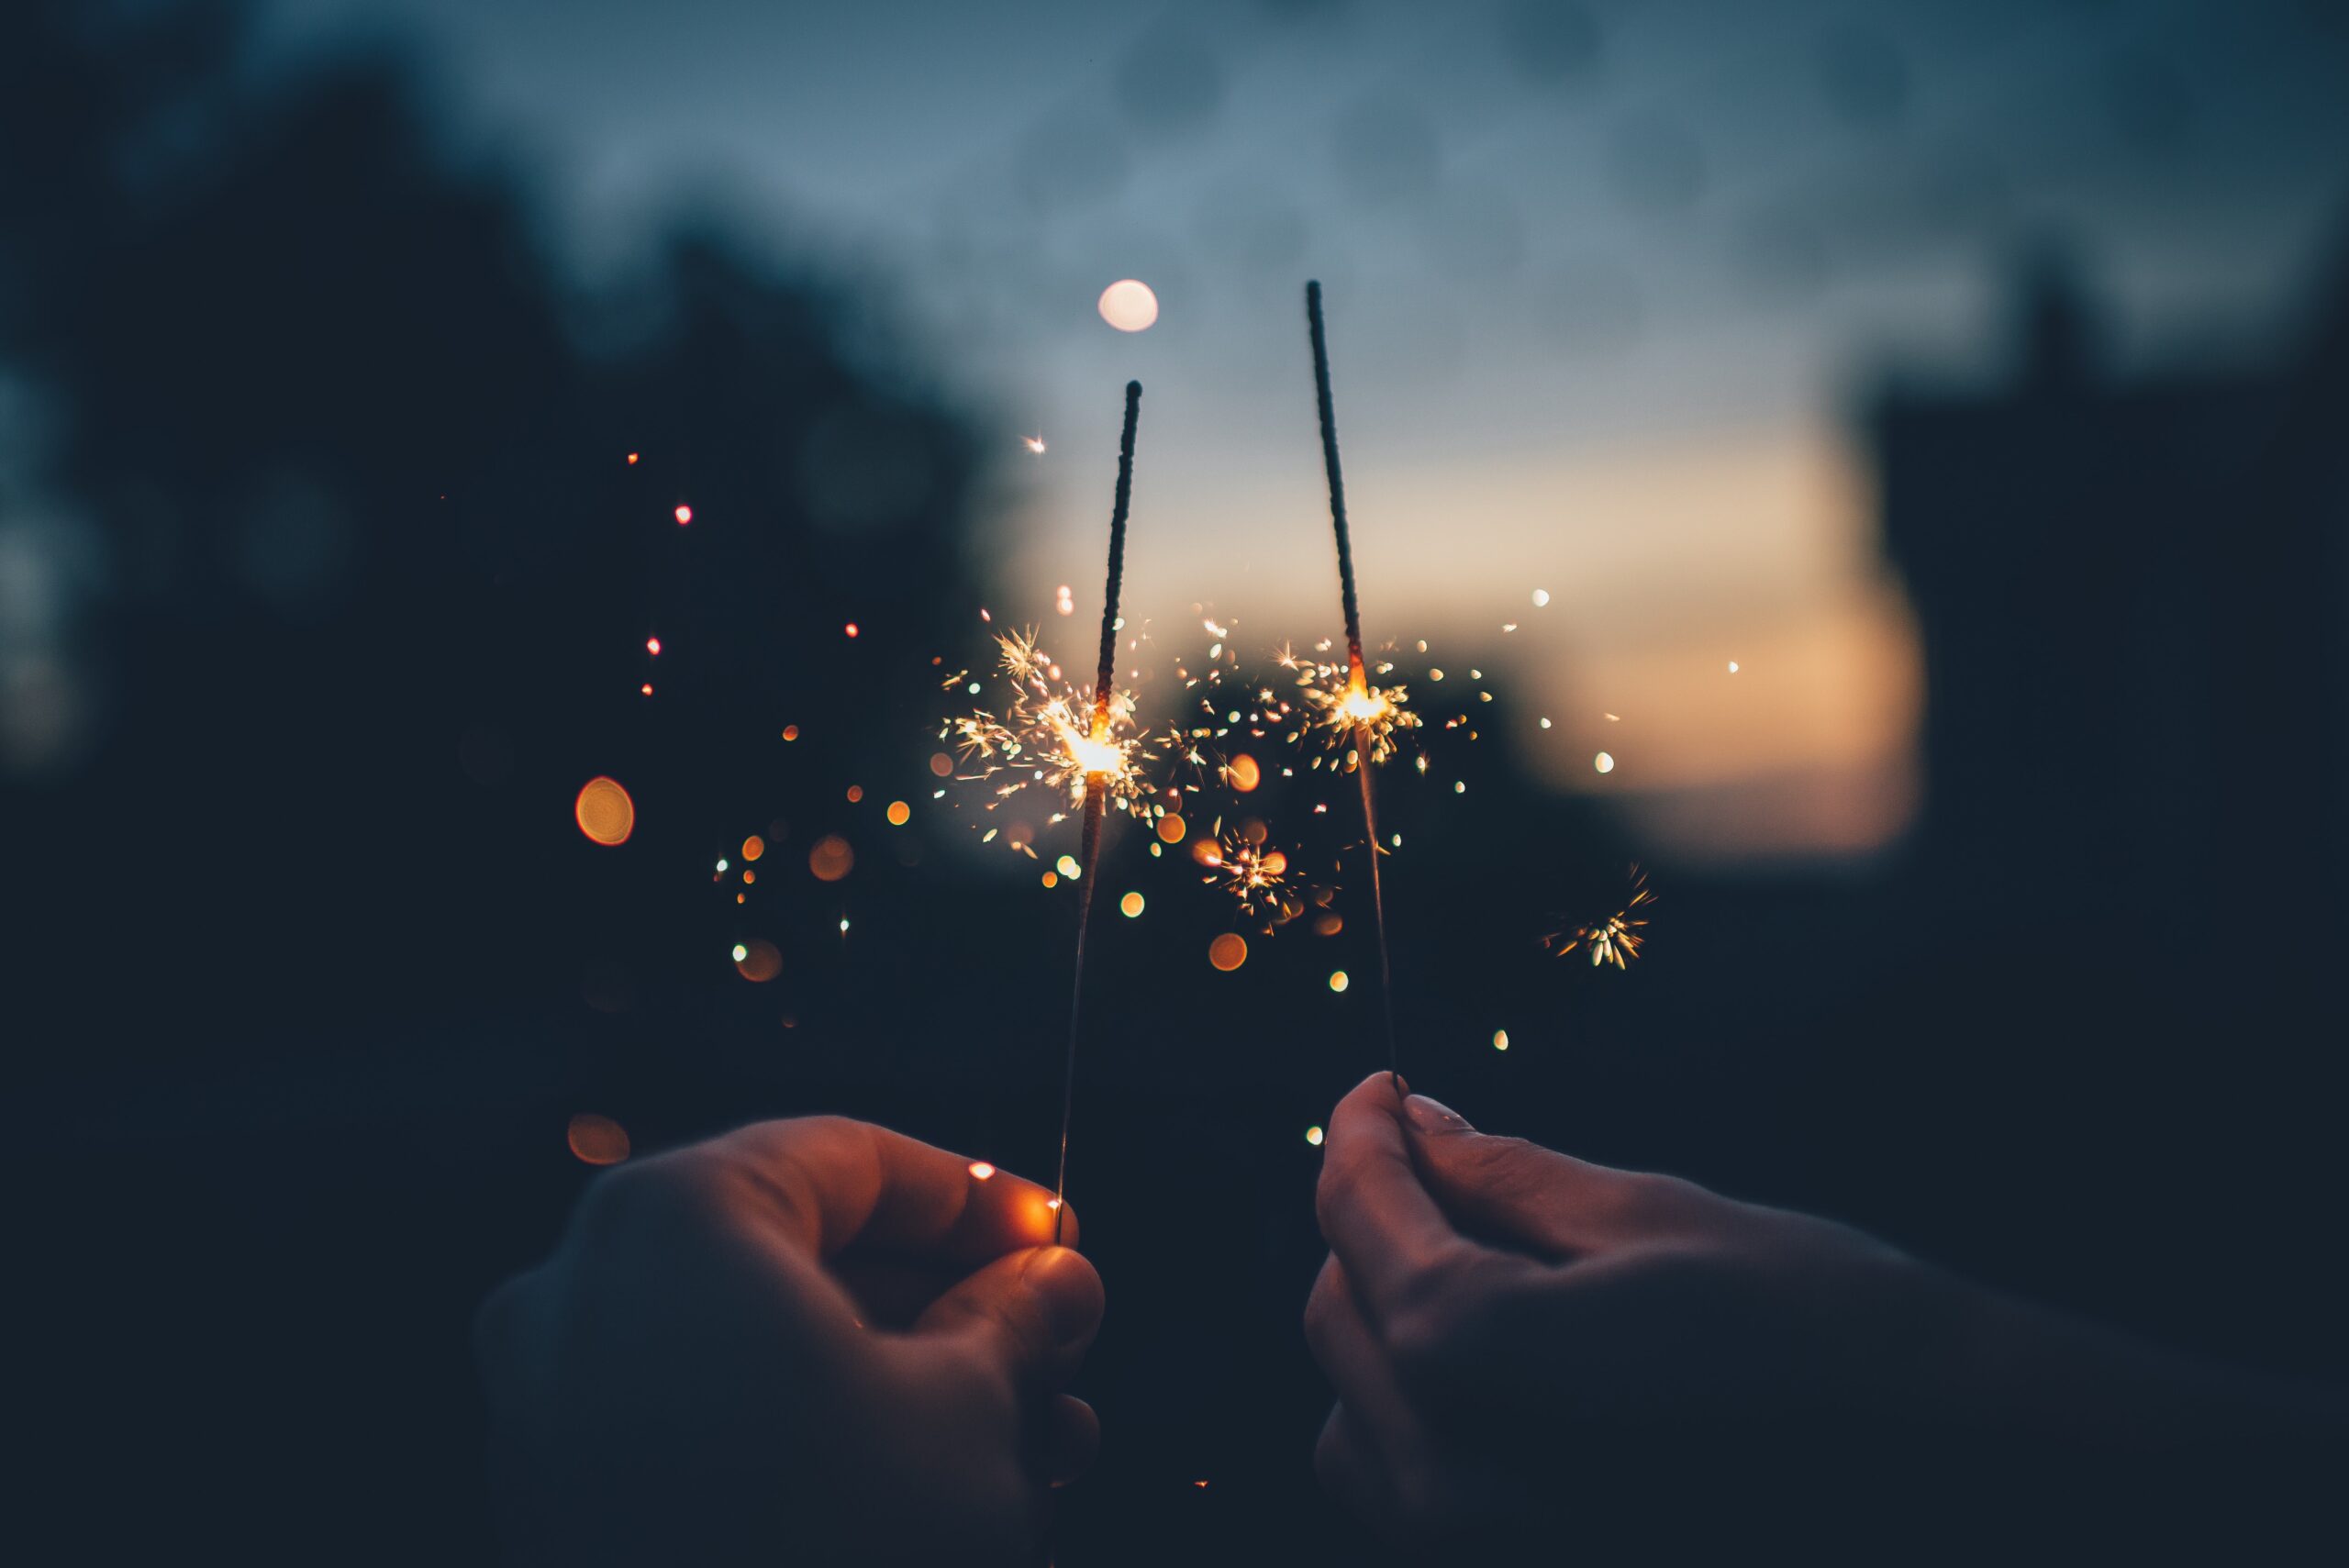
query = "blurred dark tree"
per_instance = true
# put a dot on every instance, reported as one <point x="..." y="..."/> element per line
<point x="375" y="572"/>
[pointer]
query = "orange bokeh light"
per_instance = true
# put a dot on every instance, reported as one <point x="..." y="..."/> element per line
<point x="940" y="763"/>
<point x="753" y="846"/>
<point x="652" y="645"/>
<point x="1171" y="829"/>
<point x="597" y="1140"/>
<point x="684" y="514"/>
<point x="631" y="458"/>
<point x="761" y="961"/>
<point x="604" y="811"/>
<point x="791" y="732"/>
<point x="856" y="794"/>
<point x="1243" y="772"/>
<point x="1228" y="951"/>
<point x="899" y="813"/>
<point x="831" y="859"/>
<point x="850" y="629"/>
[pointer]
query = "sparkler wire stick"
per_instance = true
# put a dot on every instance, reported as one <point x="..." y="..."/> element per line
<point x="1097" y="798"/>
<point x="1357" y="680"/>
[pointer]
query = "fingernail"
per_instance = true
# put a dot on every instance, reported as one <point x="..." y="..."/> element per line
<point x="1434" y="1116"/>
<point x="1069" y="1290"/>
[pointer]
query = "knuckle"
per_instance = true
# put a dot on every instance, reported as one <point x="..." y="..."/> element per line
<point x="647" y="1194"/>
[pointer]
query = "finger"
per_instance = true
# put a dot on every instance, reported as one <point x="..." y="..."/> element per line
<point x="1351" y="1473"/>
<point x="1071" y="1439"/>
<point x="1517" y="1194"/>
<point x="1034" y="1313"/>
<point x="1361" y="1370"/>
<point x="1374" y="1214"/>
<point x="832" y="1181"/>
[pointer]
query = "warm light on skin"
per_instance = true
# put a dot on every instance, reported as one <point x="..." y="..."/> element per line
<point x="981" y="1169"/>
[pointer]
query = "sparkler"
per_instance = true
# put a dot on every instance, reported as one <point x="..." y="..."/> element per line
<point x="1105" y="767"/>
<point x="1615" y="939"/>
<point x="1368" y="711"/>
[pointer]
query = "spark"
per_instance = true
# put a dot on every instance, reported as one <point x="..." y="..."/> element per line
<point x="1054" y="735"/>
<point x="1346" y="707"/>
<point x="1615" y="939"/>
<point x="1034" y="443"/>
<point x="653" y="646"/>
<point x="1252" y="873"/>
<point x="684" y="514"/>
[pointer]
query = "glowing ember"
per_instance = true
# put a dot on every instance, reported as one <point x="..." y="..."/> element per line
<point x="604" y="811"/>
<point x="684" y="514"/>
<point x="597" y="1140"/>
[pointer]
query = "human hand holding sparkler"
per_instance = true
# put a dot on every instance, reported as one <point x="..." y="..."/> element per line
<point x="1525" y="1345"/>
<point x="810" y="1341"/>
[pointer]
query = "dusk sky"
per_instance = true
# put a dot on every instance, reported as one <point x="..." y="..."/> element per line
<point x="1605" y="284"/>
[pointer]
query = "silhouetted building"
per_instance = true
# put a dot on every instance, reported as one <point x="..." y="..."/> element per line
<point x="2132" y="596"/>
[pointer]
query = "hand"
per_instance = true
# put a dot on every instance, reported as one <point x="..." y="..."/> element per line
<point x="806" y="1341"/>
<point x="1518" y="1339"/>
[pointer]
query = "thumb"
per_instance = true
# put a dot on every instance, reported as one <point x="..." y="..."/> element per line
<point x="1035" y="1311"/>
<point x="1515" y="1193"/>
